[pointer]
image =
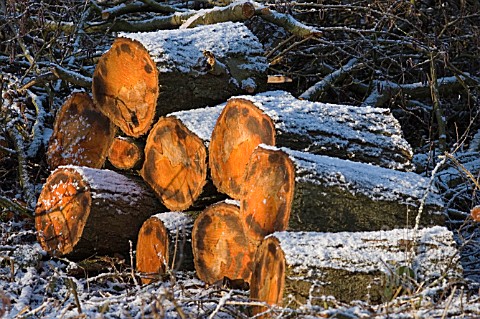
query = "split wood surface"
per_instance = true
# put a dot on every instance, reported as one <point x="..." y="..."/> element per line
<point x="82" y="135"/>
<point x="83" y="211"/>
<point x="307" y="265"/>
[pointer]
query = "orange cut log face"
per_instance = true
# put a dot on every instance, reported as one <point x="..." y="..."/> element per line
<point x="152" y="250"/>
<point x="175" y="164"/>
<point x="62" y="211"/>
<point x="220" y="245"/>
<point x="124" y="154"/>
<point x="240" y="128"/>
<point x="268" y="193"/>
<point x="268" y="278"/>
<point x="81" y="136"/>
<point x="125" y="86"/>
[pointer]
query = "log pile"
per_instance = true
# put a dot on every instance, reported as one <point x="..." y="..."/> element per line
<point x="284" y="164"/>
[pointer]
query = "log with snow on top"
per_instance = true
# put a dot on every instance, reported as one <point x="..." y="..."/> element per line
<point x="164" y="243"/>
<point x="333" y="194"/>
<point x="82" y="135"/>
<point x="302" y="267"/>
<point x="156" y="73"/>
<point x="362" y="134"/>
<point x="83" y="212"/>
<point x="369" y="135"/>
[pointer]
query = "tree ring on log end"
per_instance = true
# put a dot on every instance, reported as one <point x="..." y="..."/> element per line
<point x="125" y="86"/>
<point x="240" y="128"/>
<point x="220" y="246"/>
<point x="268" y="278"/>
<point x="268" y="192"/>
<point x="152" y="250"/>
<point x="62" y="211"/>
<point x="81" y="135"/>
<point x="175" y="163"/>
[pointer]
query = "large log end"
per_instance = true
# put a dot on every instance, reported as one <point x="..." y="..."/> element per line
<point x="81" y="134"/>
<point x="62" y="211"/>
<point x="268" y="192"/>
<point x="125" y="86"/>
<point x="175" y="164"/>
<point x="240" y="128"/>
<point x="220" y="246"/>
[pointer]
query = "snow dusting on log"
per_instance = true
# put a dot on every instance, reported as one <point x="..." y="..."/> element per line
<point x="363" y="134"/>
<point x="319" y="263"/>
<point x="182" y="49"/>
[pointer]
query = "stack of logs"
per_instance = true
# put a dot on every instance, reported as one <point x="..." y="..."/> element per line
<point x="249" y="150"/>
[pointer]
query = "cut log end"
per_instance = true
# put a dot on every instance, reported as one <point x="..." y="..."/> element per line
<point x="220" y="245"/>
<point x="125" y="86"/>
<point x="268" y="192"/>
<point x="268" y="278"/>
<point x="152" y="250"/>
<point x="125" y="154"/>
<point x="62" y="210"/>
<point x="240" y="128"/>
<point x="81" y="135"/>
<point x="175" y="164"/>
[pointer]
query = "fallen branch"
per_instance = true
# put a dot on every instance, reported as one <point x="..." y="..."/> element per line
<point x="287" y="22"/>
<point x="137" y="6"/>
<point x="385" y="90"/>
<point x="234" y="12"/>
<point x="315" y="91"/>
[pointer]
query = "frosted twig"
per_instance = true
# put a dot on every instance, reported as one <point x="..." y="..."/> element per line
<point x="131" y="263"/>
<point x="424" y="198"/>
<point x="221" y="303"/>
<point x="37" y="130"/>
<point x="28" y="188"/>
<point x="318" y="88"/>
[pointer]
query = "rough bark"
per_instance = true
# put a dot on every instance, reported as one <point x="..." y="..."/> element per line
<point x="220" y="245"/>
<point x="267" y="193"/>
<point x="126" y="153"/>
<point x="175" y="164"/>
<point x="175" y="70"/>
<point x="240" y="128"/>
<point x="83" y="212"/>
<point x="368" y="266"/>
<point x="164" y="244"/>
<point x="81" y="134"/>
<point x="339" y="195"/>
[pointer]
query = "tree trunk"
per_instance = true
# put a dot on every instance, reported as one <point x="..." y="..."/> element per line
<point x="175" y="70"/>
<point x="175" y="164"/>
<point x="267" y="193"/>
<point x="164" y="243"/>
<point x="81" y="134"/>
<point x="126" y="153"/>
<point x="83" y="212"/>
<point x="368" y="266"/>
<point x="338" y="195"/>
<point x="361" y="134"/>
<point x="220" y="245"/>
<point x="240" y="128"/>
